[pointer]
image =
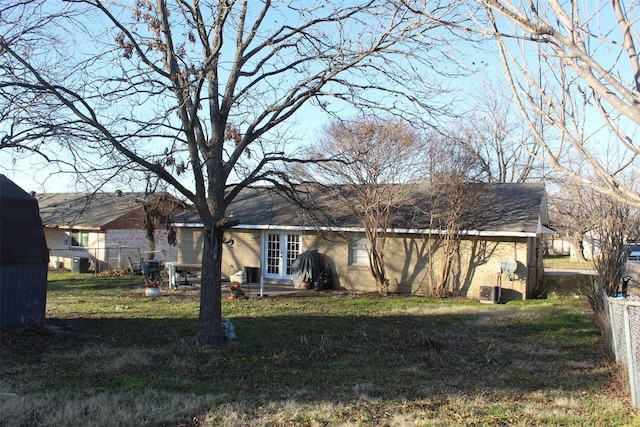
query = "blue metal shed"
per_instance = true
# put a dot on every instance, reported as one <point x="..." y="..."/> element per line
<point x="24" y="257"/>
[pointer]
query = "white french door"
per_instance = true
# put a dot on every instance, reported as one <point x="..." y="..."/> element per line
<point x="281" y="249"/>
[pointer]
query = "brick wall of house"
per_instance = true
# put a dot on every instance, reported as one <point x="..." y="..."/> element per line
<point x="485" y="255"/>
<point x="243" y="252"/>
<point x="190" y="244"/>
<point x="126" y="243"/>
<point x="408" y="268"/>
<point x="407" y="261"/>
<point x="336" y="250"/>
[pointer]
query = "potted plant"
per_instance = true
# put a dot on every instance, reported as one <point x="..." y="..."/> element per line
<point x="306" y="283"/>
<point x="152" y="282"/>
<point x="152" y="277"/>
<point x="152" y="288"/>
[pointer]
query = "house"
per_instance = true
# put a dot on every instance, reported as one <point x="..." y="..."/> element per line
<point x="499" y="232"/>
<point x="23" y="257"/>
<point x="101" y="231"/>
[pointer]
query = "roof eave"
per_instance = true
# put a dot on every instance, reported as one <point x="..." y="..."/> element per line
<point x="479" y="233"/>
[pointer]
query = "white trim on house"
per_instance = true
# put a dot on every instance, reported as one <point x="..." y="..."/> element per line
<point x="544" y="230"/>
<point x="479" y="233"/>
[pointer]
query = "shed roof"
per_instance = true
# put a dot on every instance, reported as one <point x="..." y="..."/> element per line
<point x="21" y="235"/>
<point x="493" y="209"/>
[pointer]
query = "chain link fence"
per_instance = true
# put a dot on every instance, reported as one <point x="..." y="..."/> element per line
<point x="99" y="258"/>
<point x="566" y="284"/>
<point x="623" y="330"/>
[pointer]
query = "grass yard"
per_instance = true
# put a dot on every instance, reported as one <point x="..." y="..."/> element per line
<point x="564" y="262"/>
<point x="113" y="357"/>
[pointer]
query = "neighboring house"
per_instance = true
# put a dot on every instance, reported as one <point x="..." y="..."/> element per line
<point x="502" y="226"/>
<point x="101" y="231"/>
<point x="557" y="245"/>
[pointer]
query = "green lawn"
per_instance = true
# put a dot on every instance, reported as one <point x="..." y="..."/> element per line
<point x="112" y="356"/>
<point x="565" y="261"/>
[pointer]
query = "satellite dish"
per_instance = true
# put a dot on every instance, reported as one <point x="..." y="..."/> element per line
<point x="509" y="266"/>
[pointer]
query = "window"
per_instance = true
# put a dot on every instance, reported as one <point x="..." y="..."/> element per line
<point x="79" y="238"/>
<point x="359" y="251"/>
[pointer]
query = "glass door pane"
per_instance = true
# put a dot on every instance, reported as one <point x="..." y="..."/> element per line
<point x="274" y="255"/>
<point x="293" y="250"/>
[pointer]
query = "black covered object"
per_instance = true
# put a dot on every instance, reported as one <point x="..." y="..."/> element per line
<point x="23" y="257"/>
<point x="311" y="266"/>
<point x="21" y="233"/>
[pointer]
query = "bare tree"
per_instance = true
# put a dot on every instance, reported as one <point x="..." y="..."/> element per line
<point x="614" y="225"/>
<point x="496" y="136"/>
<point x="451" y="171"/>
<point x="368" y="167"/>
<point x="200" y="93"/>
<point x="158" y="208"/>
<point x="585" y="215"/>
<point x="571" y="219"/>
<point x="575" y="65"/>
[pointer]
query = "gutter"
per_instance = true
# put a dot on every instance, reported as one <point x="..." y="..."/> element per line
<point x="479" y="233"/>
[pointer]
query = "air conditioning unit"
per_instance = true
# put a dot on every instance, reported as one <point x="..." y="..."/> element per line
<point x="490" y="294"/>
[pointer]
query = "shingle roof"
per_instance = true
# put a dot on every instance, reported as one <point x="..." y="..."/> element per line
<point x="86" y="210"/>
<point x="491" y="208"/>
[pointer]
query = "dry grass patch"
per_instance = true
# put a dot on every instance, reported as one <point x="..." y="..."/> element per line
<point x="321" y="359"/>
<point x="89" y="407"/>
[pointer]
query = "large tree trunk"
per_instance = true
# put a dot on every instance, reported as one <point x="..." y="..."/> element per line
<point x="210" y="319"/>
<point x="376" y="264"/>
<point x="151" y="246"/>
<point x="578" y="249"/>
